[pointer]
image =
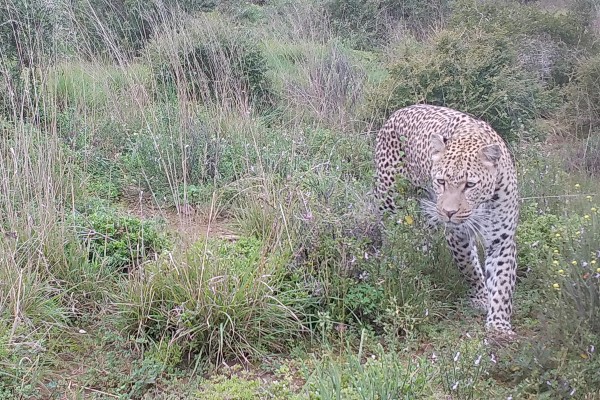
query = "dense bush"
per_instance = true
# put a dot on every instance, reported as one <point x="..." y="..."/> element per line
<point x="474" y="72"/>
<point x="356" y="21"/>
<point x="568" y="27"/>
<point x="212" y="60"/>
<point x="121" y="29"/>
<point x="368" y="24"/>
<point x="25" y="42"/>
<point x="546" y="42"/>
<point x="26" y="30"/>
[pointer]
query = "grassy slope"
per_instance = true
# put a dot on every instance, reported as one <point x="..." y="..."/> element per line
<point x="306" y="302"/>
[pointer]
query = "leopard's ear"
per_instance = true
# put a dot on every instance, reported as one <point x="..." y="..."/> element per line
<point x="438" y="146"/>
<point x="490" y="155"/>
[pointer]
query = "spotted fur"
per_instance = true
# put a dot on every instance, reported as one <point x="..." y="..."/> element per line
<point x="466" y="167"/>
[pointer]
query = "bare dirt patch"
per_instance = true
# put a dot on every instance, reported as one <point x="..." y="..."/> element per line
<point x="189" y="224"/>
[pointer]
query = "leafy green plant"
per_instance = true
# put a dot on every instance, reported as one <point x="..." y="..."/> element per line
<point x="116" y="240"/>
<point x="364" y="300"/>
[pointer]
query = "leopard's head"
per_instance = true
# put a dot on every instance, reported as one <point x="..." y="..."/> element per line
<point x="464" y="173"/>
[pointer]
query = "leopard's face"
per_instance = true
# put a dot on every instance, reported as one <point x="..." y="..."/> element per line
<point x="463" y="174"/>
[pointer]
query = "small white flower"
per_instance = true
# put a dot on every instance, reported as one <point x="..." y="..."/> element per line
<point x="478" y="360"/>
<point x="457" y="356"/>
<point x="455" y="386"/>
<point x="493" y="358"/>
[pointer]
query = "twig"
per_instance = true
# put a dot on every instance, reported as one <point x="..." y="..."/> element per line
<point x="557" y="196"/>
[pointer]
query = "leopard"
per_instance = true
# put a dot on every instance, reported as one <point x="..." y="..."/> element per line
<point x="469" y="180"/>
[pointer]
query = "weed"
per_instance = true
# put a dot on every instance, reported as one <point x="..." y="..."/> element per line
<point x="463" y="368"/>
<point x="118" y="241"/>
<point x="357" y="376"/>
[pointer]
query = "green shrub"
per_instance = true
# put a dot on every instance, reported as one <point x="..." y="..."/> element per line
<point x="568" y="27"/>
<point x="116" y="240"/>
<point x="367" y="24"/>
<point x="547" y="42"/>
<point x="212" y="60"/>
<point x="536" y="235"/>
<point x="475" y="72"/>
<point x="356" y="21"/>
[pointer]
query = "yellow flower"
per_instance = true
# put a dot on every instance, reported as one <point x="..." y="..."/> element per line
<point x="598" y="270"/>
<point x="577" y="186"/>
<point x="594" y="209"/>
<point x="409" y="220"/>
<point x="589" y="198"/>
<point x="561" y="271"/>
<point x="574" y="262"/>
<point x="593" y="262"/>
<point x="586" y="216"/>
<point x="557" y="235"/>
<point x="556" y="286"/>
<point x="555" y="262"/>
<point x="555" y="251"/>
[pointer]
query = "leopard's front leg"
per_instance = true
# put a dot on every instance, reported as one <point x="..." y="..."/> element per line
<point x="500" y="278"/>
<point x="464" y="252"/>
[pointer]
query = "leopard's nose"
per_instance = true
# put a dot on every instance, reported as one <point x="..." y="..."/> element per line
<point x="450" y="213"/>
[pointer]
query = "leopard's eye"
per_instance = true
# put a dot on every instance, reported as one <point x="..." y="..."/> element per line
<point x="470" y="184"/>
<point x="441" y="182"/>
